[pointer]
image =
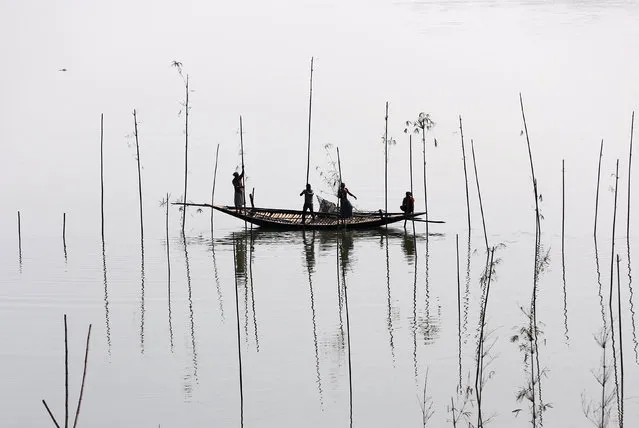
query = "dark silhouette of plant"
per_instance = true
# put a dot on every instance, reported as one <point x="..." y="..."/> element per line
<point x="598" y="412"/>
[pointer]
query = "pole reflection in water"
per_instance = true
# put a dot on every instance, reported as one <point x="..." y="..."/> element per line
<point x="217" y="277"/>
<point x="309" y="253"/>
<point x="600" y="287"/>
<point x="345" y="248"/>
<point x="414" y="320"/>
<point x="467" y="290"/>
<point x="242" y="274"/>
<point x="239" y="340"/>
<point x="459" y="334"/>
<point x="168" y="271"/>
<point x="191" y="314"/>
<point x="142" y="300"/>
<point x="389" y="319"/>
<point x="251" y="254"/>
<point x="106" y="298"/>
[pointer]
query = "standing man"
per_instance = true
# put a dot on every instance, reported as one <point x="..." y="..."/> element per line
<point x="308" y="201"/>
<point x="238" y="185"/>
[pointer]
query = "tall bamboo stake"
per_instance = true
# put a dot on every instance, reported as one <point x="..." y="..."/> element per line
<point x="64" y="233"/>
<point x="425" y="191"/>
<point x="186" y="151"/>
<point x="137" y="150"/>
<point x="461" y="131"/>
<point x="410" y="160"/>
<point x="612" y="322"/>
<point x="533" y="304"/>
<point x="310" y="108"/>
<point x="481" y="205"/>
<point x="632" y="129"/>
<point x="597" y="194"/>
<point x="84" y="376"/>
<point x="19" y="242"/>
<point x="239" y="341"/>
<point x="386" y="160"/>
<point x="217" y="151"/>
<point x="243" y="177"/>
<point x="102" y="172"/>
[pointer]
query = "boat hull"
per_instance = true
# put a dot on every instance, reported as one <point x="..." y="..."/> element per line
<point x="280" y="219"/>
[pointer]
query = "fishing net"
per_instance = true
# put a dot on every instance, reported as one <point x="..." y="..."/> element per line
<point x="326" y="206"/>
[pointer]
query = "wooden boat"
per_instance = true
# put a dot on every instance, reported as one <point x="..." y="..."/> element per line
<point x="290" y="219"/>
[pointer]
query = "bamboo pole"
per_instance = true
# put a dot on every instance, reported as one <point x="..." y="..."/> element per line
<point x="632" y="129"/>
<point x="243" y="177"/>
<point x="481" y="205"/>
<point x="50" y="414"/>
<point x="597" y="194"/>
<point x="425" y="191"/>
<point x="533" y="303"/>
<point x="186" y="151"/>
<point x="310" y="108"/>
<point x="137" y="150"/>
<point x="64" y="232"/>
<point x="217" y="151"/>
<point x="84" y="376"/>
<point x="461" y="131"/>
<point x="386" y="160"/>
<point x="612" y="322"/>
<point x="19" y="241"/>
<point x="102" y="172"/>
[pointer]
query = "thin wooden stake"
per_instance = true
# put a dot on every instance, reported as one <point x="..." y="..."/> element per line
<point x="50" y="414"/>
<point x="217" y="151"/>
<point x="481" y="205"/>
<point x="310" y="107"/>
<point x="386" y="160"/>
<point x="19" y="240"/>
<point x="612" y="321"/>
<point x="186" y="151"/>
<point x="137" y="150"/>
<point x="597" y="194"/>
<point x="461" y="131"/>
<point x="64" y="232"/>
<point x="84" y="375"/>
<point x="102" y="172"/>
<point x="632" y="131"/>
<point x="243" y="175"/>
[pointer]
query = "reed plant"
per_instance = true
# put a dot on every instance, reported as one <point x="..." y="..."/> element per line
<point x="599" y="410"/>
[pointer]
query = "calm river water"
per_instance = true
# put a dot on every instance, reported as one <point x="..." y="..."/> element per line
<point x="164" y="345"/>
